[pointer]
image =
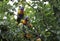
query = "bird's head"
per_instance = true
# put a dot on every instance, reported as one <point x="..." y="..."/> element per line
<point x="21" y="7"/>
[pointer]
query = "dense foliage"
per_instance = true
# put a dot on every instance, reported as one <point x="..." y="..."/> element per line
<point x="44" y="15"/>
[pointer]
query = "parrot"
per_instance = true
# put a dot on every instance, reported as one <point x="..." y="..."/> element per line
<point x="25" y="21"/>
<point x="20" y="14"/>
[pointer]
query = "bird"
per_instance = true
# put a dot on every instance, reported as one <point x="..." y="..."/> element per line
<point x="20" y="14"/>
<point x="25" y="21"/>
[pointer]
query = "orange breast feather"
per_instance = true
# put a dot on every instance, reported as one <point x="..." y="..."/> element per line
<point x="24" y="22"/>
<point x="20" y="12"/>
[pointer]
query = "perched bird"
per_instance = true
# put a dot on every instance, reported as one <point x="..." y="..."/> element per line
<point x="25" y="21"/>
<point x="21" y="10"/>
<point x="20" y="14"/>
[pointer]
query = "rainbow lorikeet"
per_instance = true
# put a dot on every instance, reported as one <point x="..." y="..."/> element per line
<point x="25" y="21"/>
<point x="20" y="14"/>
